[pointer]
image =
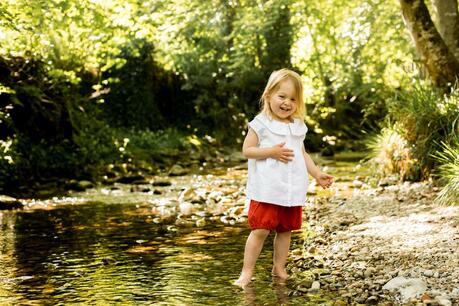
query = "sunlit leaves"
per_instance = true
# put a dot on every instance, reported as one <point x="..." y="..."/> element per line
<point x="347" y="51"/>
<point x="353" y="55"/>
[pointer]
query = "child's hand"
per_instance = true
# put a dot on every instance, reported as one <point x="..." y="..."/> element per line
<point x="324" y="180"/>
<point x="281" y="154"/>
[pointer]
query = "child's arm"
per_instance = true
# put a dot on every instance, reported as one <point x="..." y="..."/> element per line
<point x="323" y="179"/>
<point x="251" y="150"/>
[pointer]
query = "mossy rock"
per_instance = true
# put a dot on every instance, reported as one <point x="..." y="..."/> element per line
<point x="177" y="170"/>
<point x="79" y="185"/>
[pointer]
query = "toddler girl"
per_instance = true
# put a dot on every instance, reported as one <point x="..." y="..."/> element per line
<point x="278" y="171"/>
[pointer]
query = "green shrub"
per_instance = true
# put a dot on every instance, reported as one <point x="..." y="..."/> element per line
<point x="156" y="145"/>
<point x="392" y="154"/>
<point x="425" y="118"/>
<point x="448" y="172"/>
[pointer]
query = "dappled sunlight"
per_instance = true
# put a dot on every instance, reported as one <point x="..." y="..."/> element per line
<point x="418" y="230"/>
<point x="194" y="257"/>
<point x="378" y="234"/>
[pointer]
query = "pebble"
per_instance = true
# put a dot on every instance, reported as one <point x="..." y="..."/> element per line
<point x="315" y="286"/>
<point x="372" y="300"/>
<point x="369" y="272"/>
<point x="443" y="300"/>
<point x="428" y="273"/>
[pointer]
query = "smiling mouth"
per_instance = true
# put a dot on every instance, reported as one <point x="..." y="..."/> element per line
<point x="285" y="109"/>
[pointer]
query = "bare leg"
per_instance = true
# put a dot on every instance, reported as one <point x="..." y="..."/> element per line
<point x="281" y="248"/>
<point x="253" y="248"/>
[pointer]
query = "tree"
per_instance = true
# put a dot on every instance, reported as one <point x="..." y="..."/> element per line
<point x="447" y="18"/>
<point x="437" y="52"/>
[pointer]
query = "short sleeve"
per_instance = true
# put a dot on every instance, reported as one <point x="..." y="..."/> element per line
<point x="299" y="128"/>
<point x="257" y="126"/>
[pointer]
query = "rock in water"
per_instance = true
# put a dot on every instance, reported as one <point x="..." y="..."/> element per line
<point x="177" y="170"/>
<point x="408" y="288"/>
<point x="7" y="202"/>
<point x="185" y="208"/>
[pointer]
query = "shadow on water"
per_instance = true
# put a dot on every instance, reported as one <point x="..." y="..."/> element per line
<point x="99" y="253"/>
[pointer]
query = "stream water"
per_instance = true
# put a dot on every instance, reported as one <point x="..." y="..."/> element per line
<point x="128" y="252"/>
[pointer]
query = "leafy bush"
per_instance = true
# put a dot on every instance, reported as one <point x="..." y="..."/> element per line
<point x="147" y="145"/>
<point x="7" y="169"/>
<point x="448" y="172"/>
<point x="425" y="117"/>
<point x="392" y="154"/>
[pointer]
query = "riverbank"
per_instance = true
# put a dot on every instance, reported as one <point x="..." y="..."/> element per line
<point x="356" y="240"/>
<point x="381" y="246"/>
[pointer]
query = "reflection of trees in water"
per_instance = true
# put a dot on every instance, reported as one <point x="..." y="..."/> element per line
<point x="8" y="273"/>
<point x="115" y="253"/>
<point x="7" y="239"/>
<point x="73" y="253"/>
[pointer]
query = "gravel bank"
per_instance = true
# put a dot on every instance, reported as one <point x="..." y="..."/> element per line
<point x="382" y="246"/>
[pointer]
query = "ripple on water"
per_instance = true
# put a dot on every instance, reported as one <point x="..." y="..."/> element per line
<point x="101" y="253"/>
<point x="134" y="253"/>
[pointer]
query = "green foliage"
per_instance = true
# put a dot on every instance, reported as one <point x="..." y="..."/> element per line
<point x="225" y="66"/>
<point x="391" y="154"/>
<point x="222" y="68"/>
<point x="155" y="145"/>
<point x="353" y="55"/>
<point x="278" y="34"/>
<point x="80" y="77"/>
<point x="131" y="100"/>
<point x="7" y="169"/>
<point x="448" y="171"/>
<point x="35" y="103"/>
<point x="426" y="117"/>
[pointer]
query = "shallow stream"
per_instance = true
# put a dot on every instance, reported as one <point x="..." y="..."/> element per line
<point x="117" y="246"/>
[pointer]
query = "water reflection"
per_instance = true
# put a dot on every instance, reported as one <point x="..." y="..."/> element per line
<point x="116" y="254"/>
<point x="125" y="253"/>
<point x="280" y="289"/>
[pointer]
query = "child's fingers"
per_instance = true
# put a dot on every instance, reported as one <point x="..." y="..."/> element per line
<point x="285" y="159"/>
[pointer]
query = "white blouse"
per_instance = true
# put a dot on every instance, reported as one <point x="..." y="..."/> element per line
<point x="272" y="181"/>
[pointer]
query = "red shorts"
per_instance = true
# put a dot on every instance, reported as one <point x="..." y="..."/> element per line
<point x="274" y="217"/>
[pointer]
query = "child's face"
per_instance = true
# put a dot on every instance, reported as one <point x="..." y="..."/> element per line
<point x="283" y="101"/>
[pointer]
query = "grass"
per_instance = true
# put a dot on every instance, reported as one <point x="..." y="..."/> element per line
<point x="391" y="154"/>
<point x="448" y="171"/>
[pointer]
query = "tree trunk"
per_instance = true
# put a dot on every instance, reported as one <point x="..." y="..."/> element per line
<point x="441" y="64"/>
<point x="448" y="23"/>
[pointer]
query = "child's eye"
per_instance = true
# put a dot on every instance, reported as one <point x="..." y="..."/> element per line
<point x="281" y="96"/>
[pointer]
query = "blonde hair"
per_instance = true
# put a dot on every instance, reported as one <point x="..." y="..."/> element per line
<point x="274" y="80"/>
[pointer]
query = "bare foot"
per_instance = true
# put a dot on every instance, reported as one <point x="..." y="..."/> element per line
<point x="280" y="273"/>
<point x="242" y="282"/>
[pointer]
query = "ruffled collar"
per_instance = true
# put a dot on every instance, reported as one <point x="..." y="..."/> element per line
<point x="297" y="127"/>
